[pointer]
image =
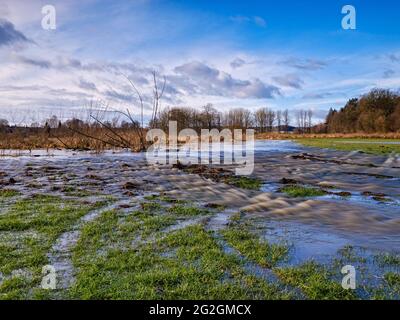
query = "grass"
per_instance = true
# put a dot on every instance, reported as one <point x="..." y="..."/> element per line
<point x="181" y="210"/>
<point x="186" y="264"/>
<point x="391" y="288"/>
<point x="261" y="252"/>
<point x="150" y="206"/>
<point x="393" y="279"/>
<point x="297" y="191"/>
<point x="349" y="255"/>
<point x="28" y="228"/>
<point x="164" y="198"/>
<point x="244" y="182"/>
<point x="239" y="236"/>
<point x="8" y="193"/>
<point x="22" y="138"/>
<point x="387" y="259"/>
<point x="371" y="146"/>
<point x="135" y="255"/>
<point x="315" y="282"/>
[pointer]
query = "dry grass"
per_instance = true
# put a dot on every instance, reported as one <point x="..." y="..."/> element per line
<point x="28" y="139"/>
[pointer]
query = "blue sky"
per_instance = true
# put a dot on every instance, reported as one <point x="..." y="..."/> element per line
<point x="279" y="54"/>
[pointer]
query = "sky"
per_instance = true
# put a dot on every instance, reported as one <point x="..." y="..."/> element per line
<point x="251" y="54"/>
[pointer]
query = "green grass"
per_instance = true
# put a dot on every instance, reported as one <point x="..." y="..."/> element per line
<point x="393" y="279"/>
<point x="130" y="256"/>
<point x="239" y="236"/>
<point x="390" y="288"/>
<point x="375" y="147"/>
<point x="151" y="206"/>
<point x="80" y="193"/>
<point x="297" y="191"/>
<point x="186" y="264"/>
<point x="28" y="229"/>
<point x="387" y="259"/>
<point x="8" y="193"/>
<point x="315" y="282"/>
<point x="164" y="198"/>
<point x="135" y="255"/>
<point x="261" y="252"/>
<point x="244" y="182"/>
<point x="183" y="210"/>
<point x="349" y="255"/>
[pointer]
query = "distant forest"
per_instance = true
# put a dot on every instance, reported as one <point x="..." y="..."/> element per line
<point x="377" y="111"/>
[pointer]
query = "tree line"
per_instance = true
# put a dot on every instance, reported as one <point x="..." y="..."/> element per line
<point x="375" y="112"/>
<point x="263" y="119"/>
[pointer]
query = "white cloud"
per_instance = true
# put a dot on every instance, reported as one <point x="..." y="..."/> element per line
<point x="210" y="80"/>
<point x="305" y="64"/>
<point x="289" y="80"/>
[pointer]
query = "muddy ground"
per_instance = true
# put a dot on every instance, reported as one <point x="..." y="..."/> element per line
<point x="114" y="226"/>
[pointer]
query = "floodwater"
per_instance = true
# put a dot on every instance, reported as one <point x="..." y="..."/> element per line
<point x="315" y="228"/>
<point x="327" y="223"/>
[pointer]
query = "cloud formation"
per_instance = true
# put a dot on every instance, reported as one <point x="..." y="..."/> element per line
<point x="289" y="80"/>
<point x="394" y="57"/>
<point x="305" y="64"/>
<point x="237" y="63"/>
<point x="87" y="85"/>
<point x="208" y="80"/>
<point x="41" y="63"/>
<point x="388" y="73"/>
<point x="317" y="95"/>
<point x="9" y="35"/>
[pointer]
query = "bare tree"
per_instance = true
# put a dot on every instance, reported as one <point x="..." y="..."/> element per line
<point x="260" y="117"/>
<point x="286" y="119"/>
<point x="309" y="123"/>
<point x="279" y="120"/>
<point x="301" y="122"/>
<point x="270" y="120"/>
<point x="247" y="119"/>
<point x="97" y="115"/>
<point x="52" y="122"/>
<point x="210" y="116"/>
<point x="237" y="118"/>
<point x="304" y="120"/>
<point x="157" y="95"/>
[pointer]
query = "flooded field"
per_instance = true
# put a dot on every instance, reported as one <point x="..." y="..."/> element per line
<point x="115" y="227"/>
